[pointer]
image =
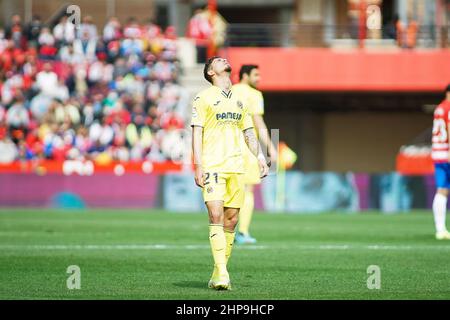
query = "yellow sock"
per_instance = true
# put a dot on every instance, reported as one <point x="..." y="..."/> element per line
<point x="218" y="247"/>
<point x="229" y="238"/>
<point x="246" y="212"/>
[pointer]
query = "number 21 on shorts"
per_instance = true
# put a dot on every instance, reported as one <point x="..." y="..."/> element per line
<point x="214" y="175"/>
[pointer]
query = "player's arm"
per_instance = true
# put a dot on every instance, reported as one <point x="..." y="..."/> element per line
<point x="255" y="148"/>
<point x="261" y="128"/>
<point x="197" y="148"/>
<point x="197" y="123"/>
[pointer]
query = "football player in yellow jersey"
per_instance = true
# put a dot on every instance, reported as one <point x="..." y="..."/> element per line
<point x="219" y="119"/>
<point x="249" y="77"/>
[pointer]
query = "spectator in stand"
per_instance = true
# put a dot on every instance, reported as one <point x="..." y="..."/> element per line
<point x="8" y="149"/>
<point x="39" y="106"/>
<point x="64" y="32"/>
<point x="17" y="118"/>
<point x="100" y="71"/>
<point x="200" y="30"/>
<point x="151" y="30"/>
<point x="88" y="29"/>
<point x="164" y="71"/>
<point x="132" y="29"/>
<point x="47" y="81"/>
<point x="3" y="41"/>
<point x="133" y="43"/>
<point x="11" y="87"/>
<point x="85" y="47"/>
<point x="101" y="100"/>
<point x="68" y="55"/>
<point x="219" y="28"/>
<point x="400" y="30"/>
<point x="411" y="33"/>
<point x="15" y="32"/>
<point x="112" y="30"/>
<point x="208" y="28"/>
<point x="33" y="31"/>
<point x="113" y="51"/>
<point x="46" y="41"/>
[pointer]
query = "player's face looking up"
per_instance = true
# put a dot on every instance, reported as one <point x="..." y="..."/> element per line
<point x="218" y="67"/>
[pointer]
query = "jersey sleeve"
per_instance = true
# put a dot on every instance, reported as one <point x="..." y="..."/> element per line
<point x="198" y="112"/>
<point x="247" y="121"/>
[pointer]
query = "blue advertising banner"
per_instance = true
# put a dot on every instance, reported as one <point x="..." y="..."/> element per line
<point x="180" y="194"/>
<point x="311" y="193"/>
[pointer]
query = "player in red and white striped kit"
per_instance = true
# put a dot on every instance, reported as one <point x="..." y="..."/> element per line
<point x="441" y="158"/>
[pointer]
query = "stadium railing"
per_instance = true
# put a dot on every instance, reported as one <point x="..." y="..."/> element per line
<point x="330" y="36"/>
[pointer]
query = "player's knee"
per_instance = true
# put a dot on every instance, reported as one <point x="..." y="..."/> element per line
<point x="216" y="218"/>
<point x="231" y="222"/>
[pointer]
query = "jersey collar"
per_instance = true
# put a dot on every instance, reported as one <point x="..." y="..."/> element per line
<point x="225" y="94"/>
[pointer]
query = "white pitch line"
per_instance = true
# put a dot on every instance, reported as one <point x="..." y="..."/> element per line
<point x="329" y="247"/>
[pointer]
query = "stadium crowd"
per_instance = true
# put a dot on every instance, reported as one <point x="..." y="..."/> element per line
<point x="71" y="92"/>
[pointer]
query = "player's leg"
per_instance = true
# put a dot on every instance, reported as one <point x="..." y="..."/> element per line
<point x="245" y="216"/>
<point x="231" y="217"/>
<point x="229" y="224"/>
<point x="220" y="278"/>
<point x="214" y="194"/>
<point x="251" y="178"/>
<point x="442" y="176"/>
<point x="234" y="199"/>
<point x="439" y="208"/>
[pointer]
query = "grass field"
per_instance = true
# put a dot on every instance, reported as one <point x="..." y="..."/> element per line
<point x="159" y="255"/>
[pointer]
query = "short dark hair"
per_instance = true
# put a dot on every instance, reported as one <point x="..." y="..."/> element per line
<point x="247" y="69"/>
<point x="448" y="89"/>
<point x="206" y="69"/>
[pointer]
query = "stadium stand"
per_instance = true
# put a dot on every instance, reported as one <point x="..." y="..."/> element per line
<point x="70" y="93"/>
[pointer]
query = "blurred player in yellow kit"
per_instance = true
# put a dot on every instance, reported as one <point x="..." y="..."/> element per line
<point x="249" y="77"/>
<point x="220" y="119"/>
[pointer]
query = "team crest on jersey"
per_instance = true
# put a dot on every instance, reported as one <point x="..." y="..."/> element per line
<point x="209" y="190"/>
<point x="239" y="104"/>
<point x="194" y="112"/>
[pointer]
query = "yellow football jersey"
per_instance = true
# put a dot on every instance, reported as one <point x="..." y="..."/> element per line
<point x="255" y="103"/>
<point x="223" y="118"/>
<point x="254" y="98"/>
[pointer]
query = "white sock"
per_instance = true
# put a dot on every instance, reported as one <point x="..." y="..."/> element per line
<point x="439" y="210"/>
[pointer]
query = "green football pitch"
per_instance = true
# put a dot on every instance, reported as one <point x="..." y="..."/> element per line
<point x="148" y="254"/>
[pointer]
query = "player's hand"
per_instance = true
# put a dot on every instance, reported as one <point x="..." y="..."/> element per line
<point x="198" y="176"/>
<point x="263" y="168"/>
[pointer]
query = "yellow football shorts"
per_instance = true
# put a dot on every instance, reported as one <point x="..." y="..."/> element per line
<point x="226" y="187"/>
<point x="252" y="174"/>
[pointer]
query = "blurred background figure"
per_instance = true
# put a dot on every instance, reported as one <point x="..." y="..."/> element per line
<point x="15" y="31"/>
<point x="33" y="31"/>
<point x="441" y="158"/>
<point x="208" y="28"/>
<point x="201" y="31"/>
<point x="411" y="33"/>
